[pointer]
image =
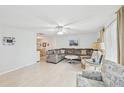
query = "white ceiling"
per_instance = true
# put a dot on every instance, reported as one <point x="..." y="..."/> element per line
<point x="81" y="19"/>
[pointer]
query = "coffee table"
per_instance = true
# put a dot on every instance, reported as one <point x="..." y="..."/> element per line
<point x="71" y="58"/>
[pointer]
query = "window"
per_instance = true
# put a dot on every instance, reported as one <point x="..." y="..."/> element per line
<point x="111" y="41"/>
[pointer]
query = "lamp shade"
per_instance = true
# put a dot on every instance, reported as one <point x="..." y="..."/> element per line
<point x="98" y="45"/>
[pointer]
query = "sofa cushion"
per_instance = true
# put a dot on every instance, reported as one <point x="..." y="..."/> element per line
<point x="84" y="82"/>
<point x="50" y="52"/>
<point x="89" y="74"/>
<point x="62" y="51"/>
<point x="112" y="74"/>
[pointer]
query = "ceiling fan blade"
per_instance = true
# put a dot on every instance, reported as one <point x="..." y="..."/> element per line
<point x="43" y="27"/>
<point x="73" y="29"/>
<point x="77" y="21"/>
<point x="67" y="28"/>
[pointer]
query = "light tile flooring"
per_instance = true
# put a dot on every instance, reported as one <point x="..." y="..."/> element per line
<point x="43" y="74"/>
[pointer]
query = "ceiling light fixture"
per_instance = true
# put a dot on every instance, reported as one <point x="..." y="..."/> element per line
<point x="60" y="33"/>
<point x="60" y="30"/>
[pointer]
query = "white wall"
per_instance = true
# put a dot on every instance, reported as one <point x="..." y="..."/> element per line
<point x="21" y="54"/>
<point x="85" y="40"/>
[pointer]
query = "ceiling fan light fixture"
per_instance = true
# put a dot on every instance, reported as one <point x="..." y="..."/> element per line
<point x="60" y="33"/>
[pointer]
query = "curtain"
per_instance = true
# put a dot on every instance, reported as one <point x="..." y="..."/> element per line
<point x="102" y="35"/>
<point x="120" y="35"/>
<point x="110" y="40"/>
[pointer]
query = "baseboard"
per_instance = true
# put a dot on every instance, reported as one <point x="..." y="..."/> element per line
<point x="16" y="68"/>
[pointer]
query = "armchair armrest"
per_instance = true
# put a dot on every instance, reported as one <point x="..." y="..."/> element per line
<point x="95" y="75"/>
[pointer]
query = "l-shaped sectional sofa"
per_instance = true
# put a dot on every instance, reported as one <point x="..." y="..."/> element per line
<point x="57" y="55"/>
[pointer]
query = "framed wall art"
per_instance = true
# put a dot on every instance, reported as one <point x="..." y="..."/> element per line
<point x="44" y="44"/>
<point x="73" y="43"/>
<point x="8" y="41"/>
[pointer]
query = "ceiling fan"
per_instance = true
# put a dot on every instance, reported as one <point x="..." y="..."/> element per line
<point x="60" y="29"/>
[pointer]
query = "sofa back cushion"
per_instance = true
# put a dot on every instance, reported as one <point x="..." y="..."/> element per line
<point x="57" y="51"/>
<point x="62" y="51"/>
<point x="50" y="52"/>
<point x="112" y="74"/>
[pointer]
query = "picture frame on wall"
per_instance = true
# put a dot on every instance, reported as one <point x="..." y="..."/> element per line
<point x="8" y="41"/>
<point x="44" y="44"/>
<point x="73" y="42"/>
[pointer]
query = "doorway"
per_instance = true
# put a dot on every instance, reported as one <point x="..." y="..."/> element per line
<point x="43" y="44"/>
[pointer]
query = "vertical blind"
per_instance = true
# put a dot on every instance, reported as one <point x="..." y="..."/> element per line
<point x="111" y="41"/>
